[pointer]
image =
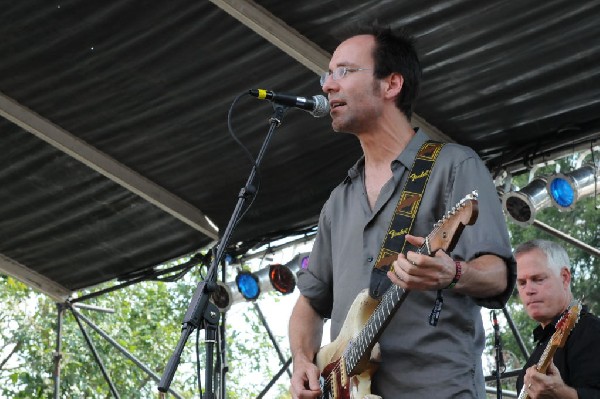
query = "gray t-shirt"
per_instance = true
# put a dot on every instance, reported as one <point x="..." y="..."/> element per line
<point x="418" y="360"/>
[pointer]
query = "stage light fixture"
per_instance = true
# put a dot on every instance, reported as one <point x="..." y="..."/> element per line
<point x="282" y="279"/>
<point x="521" y="206"/>
<point x="222" y="297"/>
<point x="566" y="189"/>
<point x="247" y="284"/>
<point x="304" y="262"/>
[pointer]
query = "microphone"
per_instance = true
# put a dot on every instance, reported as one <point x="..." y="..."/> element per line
<point x="317" y="106"/>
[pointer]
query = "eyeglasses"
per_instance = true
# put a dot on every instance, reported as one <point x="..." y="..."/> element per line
<point x="339" y="73"/>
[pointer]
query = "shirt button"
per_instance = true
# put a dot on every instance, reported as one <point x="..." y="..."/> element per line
<point x="370" y="259"/>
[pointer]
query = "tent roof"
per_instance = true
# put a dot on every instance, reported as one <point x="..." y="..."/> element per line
<point x="114" y="138"/>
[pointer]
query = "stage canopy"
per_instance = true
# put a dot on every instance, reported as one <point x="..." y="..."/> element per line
<point x="114" y="138"/>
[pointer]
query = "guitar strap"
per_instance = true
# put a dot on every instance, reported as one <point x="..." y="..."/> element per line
<point x="404" y="216"/>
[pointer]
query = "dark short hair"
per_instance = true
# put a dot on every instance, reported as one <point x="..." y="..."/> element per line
<point x="394" y="52"/>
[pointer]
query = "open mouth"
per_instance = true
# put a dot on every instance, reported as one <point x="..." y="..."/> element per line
<point x="336" y="104"/>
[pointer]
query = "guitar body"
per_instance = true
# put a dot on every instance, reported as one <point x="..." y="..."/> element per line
<point x="337" y="384"/>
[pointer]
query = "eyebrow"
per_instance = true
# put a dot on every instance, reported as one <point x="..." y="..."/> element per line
<point x="532" y="276"/>
<point x="346" y="64"/>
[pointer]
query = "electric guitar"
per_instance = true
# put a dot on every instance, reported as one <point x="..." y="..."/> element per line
<point x="563" y="329"/>
<point x="346" y="369"/>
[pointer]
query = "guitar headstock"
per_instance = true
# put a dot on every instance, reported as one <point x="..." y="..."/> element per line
<point x="565" y="324"/>
<point x="446" y="232"/>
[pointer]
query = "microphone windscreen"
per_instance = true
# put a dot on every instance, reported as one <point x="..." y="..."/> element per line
<point x="321" y="106"/>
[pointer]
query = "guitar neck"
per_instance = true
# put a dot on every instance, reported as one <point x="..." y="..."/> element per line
<point x="546" y="358"/>
<point x="365" y="340"/>
<point x="558" y="340"/>
<point x="363" y="343"/>
<point x="541" y="365"/>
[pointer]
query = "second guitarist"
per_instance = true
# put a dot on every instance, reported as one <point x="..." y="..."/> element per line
<point x="372" y="82"/>
<point x="544" y="284"/>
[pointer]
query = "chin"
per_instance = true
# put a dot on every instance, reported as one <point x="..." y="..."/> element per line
<point x="337" y="126"/>
<point x="535" y="314"/>
<point x="539" y="317"/>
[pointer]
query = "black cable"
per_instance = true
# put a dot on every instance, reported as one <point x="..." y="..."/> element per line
<point x="255" y="187"/>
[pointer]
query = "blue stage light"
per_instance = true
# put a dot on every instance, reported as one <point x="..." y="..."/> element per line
<point x="562" y="192"/>
<point x="566" y="189"/>
<point x="248" y="286"/>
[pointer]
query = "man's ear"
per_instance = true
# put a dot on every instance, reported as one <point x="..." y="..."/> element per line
<point x="394" y="84"/>
<point x="565" y="275"/>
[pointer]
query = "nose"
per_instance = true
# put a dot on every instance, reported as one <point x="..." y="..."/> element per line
<point x="529" y="289"/>
<point x="525" y="288"/>
<point x="328" y="84"/>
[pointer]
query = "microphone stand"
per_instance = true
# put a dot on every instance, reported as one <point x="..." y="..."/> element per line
<point x="201" y="313"/>
<point x="499" y="360"/>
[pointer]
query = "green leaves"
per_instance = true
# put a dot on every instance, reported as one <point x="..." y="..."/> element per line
<point x="146" y="322"/>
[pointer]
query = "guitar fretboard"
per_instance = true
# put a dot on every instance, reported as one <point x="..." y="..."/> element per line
<point x="365" y="340"/>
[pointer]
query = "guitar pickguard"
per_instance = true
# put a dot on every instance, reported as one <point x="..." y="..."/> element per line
<point x="336" y="382"/>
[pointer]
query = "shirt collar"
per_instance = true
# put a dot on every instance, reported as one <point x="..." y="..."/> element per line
<point x="406" y="157"/>
<point x="540" y="333"/>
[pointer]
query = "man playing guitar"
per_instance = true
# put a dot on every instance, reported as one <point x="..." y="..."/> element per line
<point x="544" y="284"/>
<point x="372" y="82"/>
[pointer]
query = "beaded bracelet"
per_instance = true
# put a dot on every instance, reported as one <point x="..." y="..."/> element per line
<point x="456" y="276"/>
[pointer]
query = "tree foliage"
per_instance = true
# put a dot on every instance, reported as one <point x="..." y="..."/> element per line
<point x="146" y="322"/>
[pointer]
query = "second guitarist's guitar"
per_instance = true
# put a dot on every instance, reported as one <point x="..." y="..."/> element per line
<point x="344" y="363"/>
<point x="563" y="329"/>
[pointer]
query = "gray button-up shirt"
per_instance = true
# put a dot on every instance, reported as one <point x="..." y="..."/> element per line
<point x="418" y="360"/>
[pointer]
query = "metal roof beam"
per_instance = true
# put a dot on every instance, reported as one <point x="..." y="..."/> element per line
<point x="105" y="165"/>
<point x="33" y="279"/>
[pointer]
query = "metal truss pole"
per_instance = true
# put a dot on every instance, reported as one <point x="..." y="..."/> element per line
<point x="516" y="333"/>
<point x="571" y="240"/>
<point x="124" y="351"/>
<point x="95" y="353"/>
<point x="285" y="366"/>
<point x="60" y="307"/>
<point x="273" y="340"/>
<point x="285" y="363"/>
